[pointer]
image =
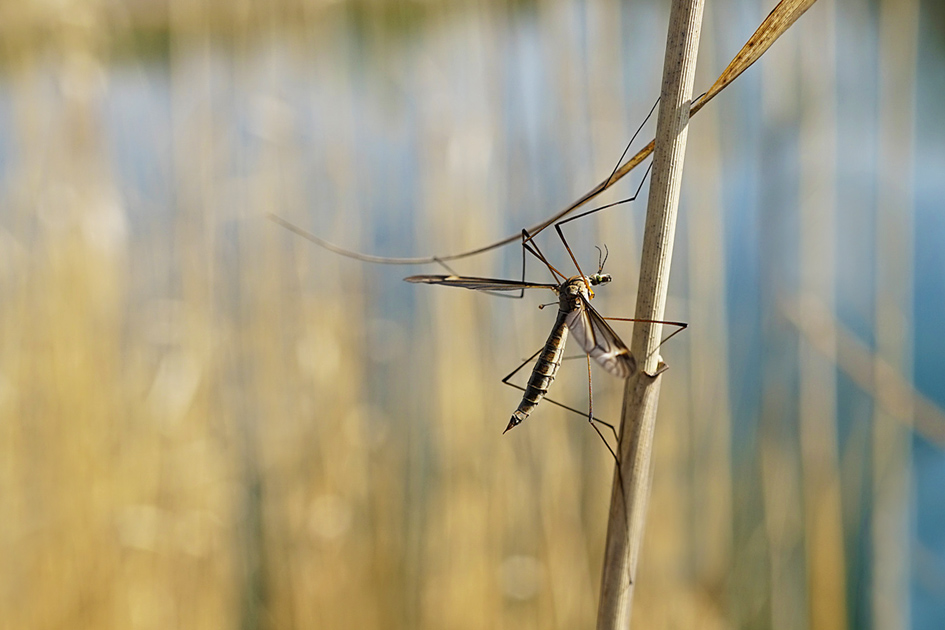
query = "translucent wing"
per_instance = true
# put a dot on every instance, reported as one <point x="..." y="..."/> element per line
<point x="600" y="341"/>
<point x="479" y="284"/>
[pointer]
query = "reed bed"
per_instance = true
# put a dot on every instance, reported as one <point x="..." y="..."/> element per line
<point x="206" y="422"/>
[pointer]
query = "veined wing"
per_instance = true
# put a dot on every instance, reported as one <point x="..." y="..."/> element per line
<point x="600" y="341"/>
<point x="480" y="284"/>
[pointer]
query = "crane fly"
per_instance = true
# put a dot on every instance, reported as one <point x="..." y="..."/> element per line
<point x="576" y="317"/>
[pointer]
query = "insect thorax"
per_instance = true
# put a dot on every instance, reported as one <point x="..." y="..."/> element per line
<point x="570" y="292"/>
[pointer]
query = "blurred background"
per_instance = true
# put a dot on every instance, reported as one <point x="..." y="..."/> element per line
<point x="208" y="422"/>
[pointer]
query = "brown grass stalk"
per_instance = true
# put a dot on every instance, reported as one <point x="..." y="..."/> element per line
<point x="641" y="396"/>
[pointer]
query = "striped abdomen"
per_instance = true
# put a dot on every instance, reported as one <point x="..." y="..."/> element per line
<point x="546" y="367"/>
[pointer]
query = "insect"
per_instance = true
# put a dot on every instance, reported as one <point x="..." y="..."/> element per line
<point x="576" y="317"/>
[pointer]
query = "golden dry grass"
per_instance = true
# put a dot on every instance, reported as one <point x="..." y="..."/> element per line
<point x="205" y="422"/>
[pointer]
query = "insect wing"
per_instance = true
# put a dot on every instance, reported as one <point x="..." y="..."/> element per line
<point x="479" y="284"/>
<point x="600" y="341"/>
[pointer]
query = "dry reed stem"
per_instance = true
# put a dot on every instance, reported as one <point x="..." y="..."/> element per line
<point x="886" y="384"/>
<point x="632" y="482"/>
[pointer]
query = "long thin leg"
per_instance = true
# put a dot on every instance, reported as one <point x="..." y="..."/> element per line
<point x="681" y="326"/>
<point x="604" y="207"/>
<point x="590" y="392"/>
<point x="531" y="246"/>
<point x="590" y="414"/>
<point x="611" y="205"/>
<point x="584" y="214"/>
<point x="530" y="238"/>
<point x="590" y="410"/>
<point x="590" y="417"/>
<point x="629" y="144"/>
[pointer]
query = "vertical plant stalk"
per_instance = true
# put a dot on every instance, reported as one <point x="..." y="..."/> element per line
<point x="893" y="326"/>
<point x="631" y="488"/>
<point x="821" y="483"/>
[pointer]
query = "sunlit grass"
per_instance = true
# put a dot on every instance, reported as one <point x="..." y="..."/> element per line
<point x="206" y="422"/>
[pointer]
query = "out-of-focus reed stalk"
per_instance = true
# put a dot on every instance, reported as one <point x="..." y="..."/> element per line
<point x="898" y="37"/>
<point x="710" y="534"/>
<point x="632" y="480"/>
<point x="778" y="448"/>
<point x="872" y="374"/>
<point x="817" y="406"/>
